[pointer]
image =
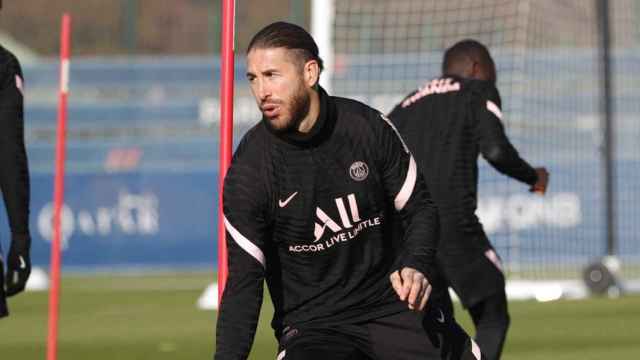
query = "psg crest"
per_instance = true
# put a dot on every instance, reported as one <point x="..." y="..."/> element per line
<point x="359" y="171"/>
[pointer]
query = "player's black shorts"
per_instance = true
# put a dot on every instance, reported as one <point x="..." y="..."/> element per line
<point x="4" y="311"/>
<point x="405" y="335"/>
<point x="474" y="273"/>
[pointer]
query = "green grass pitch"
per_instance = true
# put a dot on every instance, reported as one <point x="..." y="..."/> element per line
<point x="154" y="317"/>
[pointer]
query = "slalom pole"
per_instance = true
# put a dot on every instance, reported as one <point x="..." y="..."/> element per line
<point x="58" y="188"/>
<point x="226" y="129"/>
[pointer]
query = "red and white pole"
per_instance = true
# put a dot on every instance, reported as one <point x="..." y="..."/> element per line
<point x="226" y="129"/>
<point x="58" y="188"/>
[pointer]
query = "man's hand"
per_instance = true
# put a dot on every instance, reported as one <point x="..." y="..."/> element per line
<point x="411" y="286"/>
<point x="540" y="186"/>
<point x="18" y="264"/>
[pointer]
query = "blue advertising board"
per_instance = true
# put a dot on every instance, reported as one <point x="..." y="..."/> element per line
<point x="161" y="220"/>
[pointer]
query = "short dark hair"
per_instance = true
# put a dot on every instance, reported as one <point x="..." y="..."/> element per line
<point x="466" y="52"/>
<point x="289" y="36"/>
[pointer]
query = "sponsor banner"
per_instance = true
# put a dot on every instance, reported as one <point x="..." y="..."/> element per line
<point x="131" y="220"/>
<point x="169" y="219"/>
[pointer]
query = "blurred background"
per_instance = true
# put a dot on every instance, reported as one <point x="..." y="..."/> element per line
<point x="140" y="213"/>
<point x="141" y="185"/>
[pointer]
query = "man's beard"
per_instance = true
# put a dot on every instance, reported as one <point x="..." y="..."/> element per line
<point x="299" y="107"/>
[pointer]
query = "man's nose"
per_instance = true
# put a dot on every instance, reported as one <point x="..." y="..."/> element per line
<point x="263" y="91"/>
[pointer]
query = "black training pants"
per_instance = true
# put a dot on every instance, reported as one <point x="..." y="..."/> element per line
<point x="401" y="336"/>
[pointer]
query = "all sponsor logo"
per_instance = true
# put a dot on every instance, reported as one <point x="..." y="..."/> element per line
<point x="347" y="228"/>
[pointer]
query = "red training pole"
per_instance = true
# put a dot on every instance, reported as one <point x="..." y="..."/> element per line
<point x="58" y="188"/>
<point x="226" y="129"/>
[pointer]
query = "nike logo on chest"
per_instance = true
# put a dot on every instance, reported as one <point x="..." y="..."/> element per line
<point x="285" y="202"/>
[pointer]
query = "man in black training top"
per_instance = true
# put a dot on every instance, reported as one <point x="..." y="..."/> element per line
<point x="446" y="124"/>
<point x="308" y="206"/>
<point x="14" y="178"/>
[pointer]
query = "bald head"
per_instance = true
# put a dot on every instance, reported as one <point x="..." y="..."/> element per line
<point x="469" y="59"/>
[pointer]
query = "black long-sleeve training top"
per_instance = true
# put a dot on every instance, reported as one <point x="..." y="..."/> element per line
<point x="312" y="214"/>
<point x="14" y="174"/>
<point x="446" y="124"/>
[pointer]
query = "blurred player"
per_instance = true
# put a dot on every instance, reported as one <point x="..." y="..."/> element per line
<point x="309" y="203"/>
<point x="14" y="178"/>
<point x="446" y="124"/>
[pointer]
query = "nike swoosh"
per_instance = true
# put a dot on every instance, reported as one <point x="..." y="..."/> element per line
<point x="441" y="317"/>
<point x="287" y="200"/>
<point x="23" y="264"/>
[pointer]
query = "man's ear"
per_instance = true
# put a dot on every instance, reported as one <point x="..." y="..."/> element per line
<point x="311" y="73"/>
